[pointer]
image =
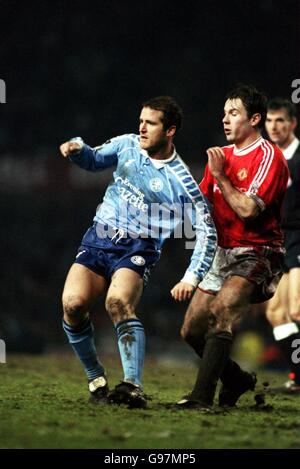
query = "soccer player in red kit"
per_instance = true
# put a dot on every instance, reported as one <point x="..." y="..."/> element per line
<point x="245" y="183"/>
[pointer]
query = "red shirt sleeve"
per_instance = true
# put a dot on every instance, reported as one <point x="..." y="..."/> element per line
<point x="269" y="176"/>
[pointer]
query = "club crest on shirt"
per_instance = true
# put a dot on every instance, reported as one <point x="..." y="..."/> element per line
<point x="156" y="184"/>
<point x="138" y="260"/>
<point x="242" y="174"/>
<point x="208" y="219"/>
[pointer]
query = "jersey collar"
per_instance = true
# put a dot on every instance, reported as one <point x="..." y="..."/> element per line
<point x="248" y="148"/>
<point x="159" y="163"/>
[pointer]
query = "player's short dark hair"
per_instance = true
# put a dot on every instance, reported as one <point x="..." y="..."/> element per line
<point x="254" y="101"/>
<point x="172" y="112"/>
<point x="282" y="103"/>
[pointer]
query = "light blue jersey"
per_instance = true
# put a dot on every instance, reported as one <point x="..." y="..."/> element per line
<point x="151" y="198"/>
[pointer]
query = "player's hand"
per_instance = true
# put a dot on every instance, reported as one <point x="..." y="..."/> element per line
<point x="216" y="160"/>
<point x="68" y="148"/>
<point x="295" y="316"/>
<point x="182" y="291"/>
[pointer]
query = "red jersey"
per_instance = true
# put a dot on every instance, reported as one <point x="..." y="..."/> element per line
<point x="260" y="171"/>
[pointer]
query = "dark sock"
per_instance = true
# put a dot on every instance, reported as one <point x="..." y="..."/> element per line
<point x="287" y="350"/>
<point x="197" y="344"/>
<point x="215" y="356"/>
<point x="231" y="373"/>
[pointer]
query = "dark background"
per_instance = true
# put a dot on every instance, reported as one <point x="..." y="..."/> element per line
<point x="84" y="68"/>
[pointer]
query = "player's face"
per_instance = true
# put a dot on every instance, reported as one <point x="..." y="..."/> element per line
<point x="279" y="127"/>
<point x="237" y="125"/>
<point x="152" y="134"/>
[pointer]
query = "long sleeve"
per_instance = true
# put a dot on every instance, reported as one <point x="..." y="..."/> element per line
<point x="196" y="208"/>
<point x="206" y="242"/>
<point x="98" y="158"/>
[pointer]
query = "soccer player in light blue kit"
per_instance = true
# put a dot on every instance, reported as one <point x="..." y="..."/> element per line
<point x="151" y="191"/>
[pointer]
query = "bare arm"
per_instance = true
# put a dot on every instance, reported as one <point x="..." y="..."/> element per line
<point x="241" y="204"/>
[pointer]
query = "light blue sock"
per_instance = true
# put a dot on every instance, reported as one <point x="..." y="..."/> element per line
<point x="82" y="341"/>
<point x="131" y="342"/>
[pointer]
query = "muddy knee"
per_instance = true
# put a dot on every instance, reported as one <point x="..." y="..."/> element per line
<point x="118" y="310"/>
<point x="74" y="310"/>
<point x="220" y="320"/>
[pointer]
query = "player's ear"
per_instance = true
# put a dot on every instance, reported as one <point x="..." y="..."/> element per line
<point x="255" y="119"/>
<point x="294" y="123"/>
<point x="171" y="131"/>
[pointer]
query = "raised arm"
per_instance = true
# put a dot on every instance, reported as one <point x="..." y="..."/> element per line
<point x="69" y="148"/>
<point x="91" y="159"/>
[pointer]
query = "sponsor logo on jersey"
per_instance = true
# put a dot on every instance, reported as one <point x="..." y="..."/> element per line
<point x="156" y="184"/>
<point x="138" y="260"/>
<point x="131" y="194"/>
<point x="242" y="174"/>
<point x="217" y="189"/>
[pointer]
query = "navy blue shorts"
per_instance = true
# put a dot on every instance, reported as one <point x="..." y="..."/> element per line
<point x="104" y="252"/>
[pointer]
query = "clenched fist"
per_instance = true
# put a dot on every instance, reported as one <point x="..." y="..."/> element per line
<point x="68" y="148"/>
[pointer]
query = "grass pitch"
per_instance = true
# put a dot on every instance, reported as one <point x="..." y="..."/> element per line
<point x="44" y="404"/>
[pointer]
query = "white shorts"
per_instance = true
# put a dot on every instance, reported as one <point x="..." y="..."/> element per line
<point x="260" y="265"/>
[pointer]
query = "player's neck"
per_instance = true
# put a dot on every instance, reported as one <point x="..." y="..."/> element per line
<point x="247" y="141"/>
<point x="287" y="142"/>
<point x="163" y="153"/>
